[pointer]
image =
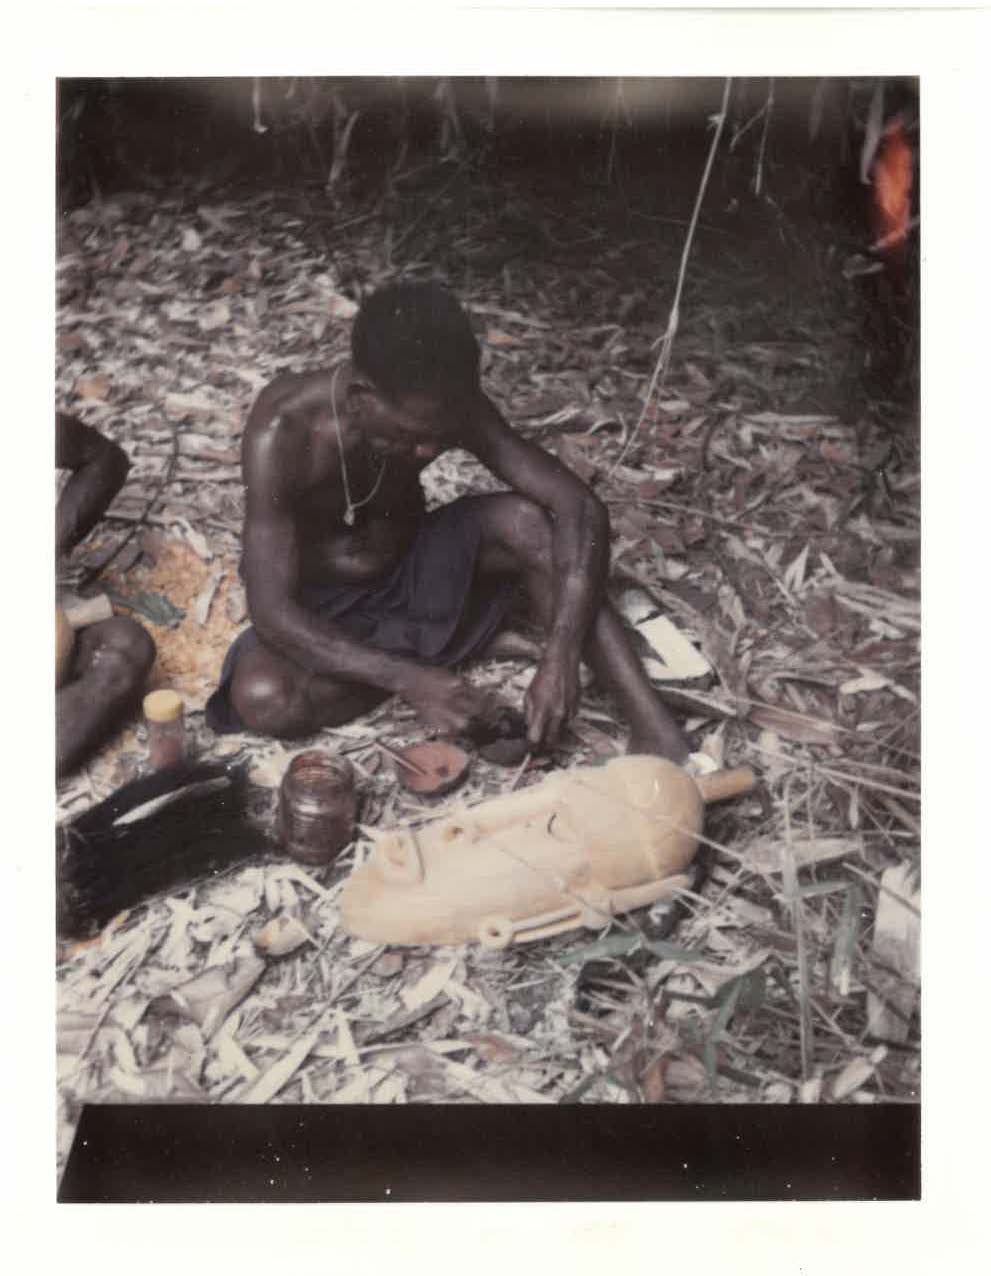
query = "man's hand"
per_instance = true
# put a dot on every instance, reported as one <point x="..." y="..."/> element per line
<point x="552" y="698"/>
<point x="448" y="703"/>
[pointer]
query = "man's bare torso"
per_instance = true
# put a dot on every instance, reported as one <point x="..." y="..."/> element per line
<point x="303" y="445"/>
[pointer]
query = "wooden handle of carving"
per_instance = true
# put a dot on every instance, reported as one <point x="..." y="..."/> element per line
<point x="87" y="611"/>
<point x="65" y="640"/>
<point x="726" y="784"/>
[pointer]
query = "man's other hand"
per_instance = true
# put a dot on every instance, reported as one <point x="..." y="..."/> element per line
<point x="448" y="703"/>
<point x="552" y="698"/>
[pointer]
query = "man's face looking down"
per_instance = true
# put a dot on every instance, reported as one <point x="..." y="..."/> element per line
<point x="413" y="428"/>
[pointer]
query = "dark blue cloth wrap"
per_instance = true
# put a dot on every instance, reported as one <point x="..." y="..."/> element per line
<point x="430" y="607"/>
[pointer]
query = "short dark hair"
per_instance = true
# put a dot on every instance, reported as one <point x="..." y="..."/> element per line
<point x="415" y="338"/>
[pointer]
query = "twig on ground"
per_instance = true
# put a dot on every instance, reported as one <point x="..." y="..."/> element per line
<point x="520" y="771"/>
<point x="789" y="875"/>
<point x="768" y="110"/>
<point x="404" y="762"/>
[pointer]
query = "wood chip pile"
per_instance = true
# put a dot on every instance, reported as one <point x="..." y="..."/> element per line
<point x="777" y="528"/>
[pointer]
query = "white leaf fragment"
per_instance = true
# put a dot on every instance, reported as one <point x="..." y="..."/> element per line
<point x="281" y="1072"/>
<point x="679" y="658"/>
<point x="897" y="935"/>
<point x="868" y="681"/>
<point x="854" y="1075"/>
<point x="216" y="315"/>
<point x="429" y="985"/>
<point x="201" y="607"/>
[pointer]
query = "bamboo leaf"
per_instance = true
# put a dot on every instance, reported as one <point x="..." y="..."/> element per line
<point x="624" y="945"/>
<point x="729" y="997"/>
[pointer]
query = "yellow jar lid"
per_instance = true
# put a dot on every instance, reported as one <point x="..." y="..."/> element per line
<point x="163" y="706"/>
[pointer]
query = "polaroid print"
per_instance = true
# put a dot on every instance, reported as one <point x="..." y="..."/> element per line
<point x="489" y="637"/>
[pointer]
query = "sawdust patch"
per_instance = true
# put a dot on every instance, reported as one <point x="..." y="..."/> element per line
<point x="189" y="654"/>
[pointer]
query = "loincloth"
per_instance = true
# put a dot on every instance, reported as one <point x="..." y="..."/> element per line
<point x="430" y="607"/>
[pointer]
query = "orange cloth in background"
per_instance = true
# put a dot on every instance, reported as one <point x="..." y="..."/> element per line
<point x="892" y="188"/>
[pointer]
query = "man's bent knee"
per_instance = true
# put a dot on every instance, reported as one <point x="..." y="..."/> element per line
<point x="116" y="656"/>
<point x="524" y="522"/>
<point x="266" y="701"/>
<point x="517" y="531"/>
<point x="122" y="635"/>
<point x="132" y="640"/>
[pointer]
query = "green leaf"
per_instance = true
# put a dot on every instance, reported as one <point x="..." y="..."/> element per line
<point x="823" y="888"/>
<point x="671" y="952"/>
<point x="625" y="944"/>
<point x="729" y="995"/>
<point x="845" y="940"/>
<point x="753" y="990"/>
<point x="610" y="946"/>
<point x="155" y="607"/>
<point x="580" y="1089"/>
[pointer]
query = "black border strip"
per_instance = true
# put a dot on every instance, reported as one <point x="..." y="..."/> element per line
<point x="282" y="1153"/>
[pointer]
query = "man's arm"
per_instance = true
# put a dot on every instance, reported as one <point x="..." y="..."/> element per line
<point x="99" y="468"/>
<point x="580" y="558"/>
<point x="272" y="460"/>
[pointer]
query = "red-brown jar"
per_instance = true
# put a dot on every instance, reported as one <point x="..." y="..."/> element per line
<point x="317" y="807"/>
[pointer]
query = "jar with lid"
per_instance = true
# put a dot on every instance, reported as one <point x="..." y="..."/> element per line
<point x="317" y="807"/>
<point x="165" y="722"/>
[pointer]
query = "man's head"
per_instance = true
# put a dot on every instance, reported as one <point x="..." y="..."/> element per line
<point x="415" y="362"/>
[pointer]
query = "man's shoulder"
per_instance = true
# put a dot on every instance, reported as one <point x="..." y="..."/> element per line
<point x="297" y="396"/>
<point x="287" y="439"/>
<point x="281" y="391"/>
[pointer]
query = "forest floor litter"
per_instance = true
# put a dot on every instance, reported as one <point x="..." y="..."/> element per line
<point x="769" y="513"/>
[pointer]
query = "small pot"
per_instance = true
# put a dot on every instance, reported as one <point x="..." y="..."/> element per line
<point x="432" y="767"/>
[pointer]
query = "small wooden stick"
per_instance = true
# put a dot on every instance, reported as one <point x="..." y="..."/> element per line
<point x="398" y="757"/>
<point x="519" y="774"/>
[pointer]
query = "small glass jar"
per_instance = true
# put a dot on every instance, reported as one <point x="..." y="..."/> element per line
<point x="317" y="807"/>
<point x="166" y="725"/>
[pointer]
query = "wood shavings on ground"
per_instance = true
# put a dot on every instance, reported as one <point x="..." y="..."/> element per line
<point x="189" y="654"/>
<point x="777" y="530"/>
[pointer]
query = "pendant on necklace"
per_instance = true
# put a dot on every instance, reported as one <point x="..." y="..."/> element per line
<point x="349" y="517"/>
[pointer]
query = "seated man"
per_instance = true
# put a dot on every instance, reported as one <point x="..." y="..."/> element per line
<point x="356" y="593"/>
<point x="111" y="659"/>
